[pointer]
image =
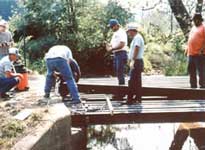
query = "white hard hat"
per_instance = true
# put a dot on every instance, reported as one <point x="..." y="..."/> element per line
<point x="3" y="23"/>
<point x="14" y="51"/>
<point x="132" y="26"/>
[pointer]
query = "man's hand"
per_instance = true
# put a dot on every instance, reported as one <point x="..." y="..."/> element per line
<point x="19" y="75"/>
<point x="108" y="47"/>
<point x="132" y="62"/>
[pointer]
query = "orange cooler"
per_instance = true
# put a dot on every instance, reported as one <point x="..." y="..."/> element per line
<point x="23" y="84"/>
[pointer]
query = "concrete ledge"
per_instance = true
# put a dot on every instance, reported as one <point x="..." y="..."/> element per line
<point x="53" y="133"/>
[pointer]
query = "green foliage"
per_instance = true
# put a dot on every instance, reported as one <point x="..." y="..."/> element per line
<point x="38" y="65"/>
<point x="11" y="129"/>
<point x="178" y="63"/>
<point x="82" y="25"/>
<point x="164" y="53"/>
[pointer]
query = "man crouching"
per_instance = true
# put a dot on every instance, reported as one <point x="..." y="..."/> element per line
<point x="8" y="79"/>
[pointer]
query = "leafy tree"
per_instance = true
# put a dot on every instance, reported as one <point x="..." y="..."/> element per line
<point x="181" y="14"/>
<point x="82" y="25"/>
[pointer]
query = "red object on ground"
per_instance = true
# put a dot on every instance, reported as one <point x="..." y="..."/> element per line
<point x="23" y="84"/>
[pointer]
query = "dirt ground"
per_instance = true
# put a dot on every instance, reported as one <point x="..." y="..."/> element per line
<point x="11" y="129"/>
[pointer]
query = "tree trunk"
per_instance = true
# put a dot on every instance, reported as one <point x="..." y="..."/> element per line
<point x="199" y="6"/>
<point x="181" y="15"/>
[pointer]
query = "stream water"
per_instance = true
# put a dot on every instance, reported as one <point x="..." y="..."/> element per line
<point x="140" y="137"/>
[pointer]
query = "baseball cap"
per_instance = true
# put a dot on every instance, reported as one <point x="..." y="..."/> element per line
<point x="3" y="23"/>
<point x="14" y="51"/>
<point x="113" y="22"/>
<point x="132" y="26"/>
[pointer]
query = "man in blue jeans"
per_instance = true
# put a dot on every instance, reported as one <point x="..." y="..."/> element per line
<point x="57" y="59"/>
<point x="118" y="46"/>
<point x="8" y="79"/>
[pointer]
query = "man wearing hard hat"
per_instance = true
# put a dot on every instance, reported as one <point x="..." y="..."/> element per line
<point x="136" y="64"/>
<point x="8" y="79"/>
<point x="6" y="39"/>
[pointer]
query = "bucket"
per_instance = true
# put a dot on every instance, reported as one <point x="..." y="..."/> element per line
<point x="23" y="84"/>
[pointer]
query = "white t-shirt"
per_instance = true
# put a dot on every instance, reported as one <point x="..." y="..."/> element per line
<point x="119" y="36"/>
<point x="61" y="51"/>
<point x="137" y="41"/>
<point x="5" y="66"/>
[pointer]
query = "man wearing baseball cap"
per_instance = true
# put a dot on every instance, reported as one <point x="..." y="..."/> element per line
<point x="8" y="79"/>
<point x="118" y="47"/>
<point x="136" y="64"/>
<point x="6" y="39"/>
<point x="196" y="52"/>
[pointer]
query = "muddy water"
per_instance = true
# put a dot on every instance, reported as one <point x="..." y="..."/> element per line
<point x="138" y="137"/>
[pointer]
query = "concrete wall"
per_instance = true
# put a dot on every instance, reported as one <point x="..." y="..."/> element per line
<point x="53" y="133"/>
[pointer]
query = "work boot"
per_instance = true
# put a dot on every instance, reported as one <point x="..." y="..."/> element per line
<point x="47" y="95"/>
<point x="4" y="95"/>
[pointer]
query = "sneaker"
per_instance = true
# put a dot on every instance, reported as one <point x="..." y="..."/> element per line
<point x="47" y="95"/>
<point x="77" y="106"/>
<point x="74" y="102"/>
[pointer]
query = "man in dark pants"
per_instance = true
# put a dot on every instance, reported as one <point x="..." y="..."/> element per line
<point x="196" y="52"/>
<point x="118" y="46"/>
<point x="136" y="64"/>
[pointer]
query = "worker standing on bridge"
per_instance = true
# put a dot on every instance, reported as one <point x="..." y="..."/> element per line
<point x="57" y="59"/>
<point x="136" y="64"/>
<point x="196" y="52"/>
<point x="118" y="46"/>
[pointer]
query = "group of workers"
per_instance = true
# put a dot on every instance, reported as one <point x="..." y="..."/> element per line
<point x="58" y="59"/>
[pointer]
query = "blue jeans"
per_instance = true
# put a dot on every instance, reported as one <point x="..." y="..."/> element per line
<point x="135" y="82"/>
<point x="196" y="64"/>
<point x="7" y="83"/>
<point x="120" y="61"/>
<point x="61" y="65"/>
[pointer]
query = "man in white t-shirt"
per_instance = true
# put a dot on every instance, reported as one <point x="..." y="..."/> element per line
<point x="118" y="46"/>
<point x="136" y="64"/>
<point x="8" y="79"/>
<point x="57" y="59"/>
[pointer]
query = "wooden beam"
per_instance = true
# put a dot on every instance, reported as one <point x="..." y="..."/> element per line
<point x="170" y="93"/>
<point x="171" y="117"/>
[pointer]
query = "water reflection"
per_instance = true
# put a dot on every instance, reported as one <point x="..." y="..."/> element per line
<point x="147" y="137"/>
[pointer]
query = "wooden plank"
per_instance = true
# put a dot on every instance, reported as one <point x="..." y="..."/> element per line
<point x="171" y="93"/>
<point x="81" y="120"/>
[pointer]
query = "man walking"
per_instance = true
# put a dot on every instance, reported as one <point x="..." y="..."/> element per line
<point x="196" y="52"/>
<point x="57" y="59"/>
<point x="6" y="39"/>
<point x="8" y="79"/>
<point x="118" y="46"/>
<point x="136" y="64"/>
